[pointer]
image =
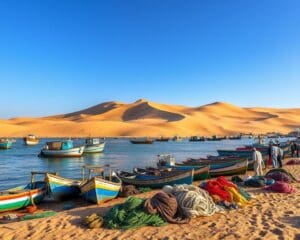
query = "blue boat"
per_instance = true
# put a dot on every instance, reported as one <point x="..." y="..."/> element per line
<point x="62" y="188"/>
<point x="5" y="143"/>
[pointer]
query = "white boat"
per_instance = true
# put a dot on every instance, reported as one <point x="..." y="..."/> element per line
<point x="62" y="149"/>
<point x="94" y="145"/>
<point x="31" y="140"/>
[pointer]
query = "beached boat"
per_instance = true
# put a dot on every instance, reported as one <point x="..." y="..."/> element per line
<point x="31" y="140"/>
<point x="240" y="153"/>
<point x="98" y="189"/>
<point x="62" y="149"/>
<point x="93" y="145"/>
<point x="62" y="188"/>
<point x="5" y="143"/>
<point x="228" y="170"/>
<point x="171" y="178"/>
<point x="196" y="139"/>
<point x="142" y="141"/>
<point x="22" y="196"/>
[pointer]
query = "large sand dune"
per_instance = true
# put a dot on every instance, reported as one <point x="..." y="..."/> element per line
<point x="145" y="118"/>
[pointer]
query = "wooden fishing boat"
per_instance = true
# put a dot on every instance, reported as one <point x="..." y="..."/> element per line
<point x="240" y="153"/>
<point x="31" y="140"/>
<point x="93" y="145"/>
<point x="171" y="178"/>
<point x="142" y="141"/>
<point x="22" y="196"/>
<point x="62" y="188"/>
<point x="61" y="149"/>
<point x="98" y="189"/>
<point x="162" y="139"/>
<point x="228" y="170"/>
<point x="200" y="172"/>
<point x="5" y="143"/>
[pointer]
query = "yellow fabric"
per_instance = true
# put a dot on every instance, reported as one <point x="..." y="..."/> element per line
<point x="236" y="196"/>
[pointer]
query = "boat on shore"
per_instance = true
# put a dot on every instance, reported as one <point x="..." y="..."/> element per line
<point x="62" y="188"/>
<point x="61" y="149"/>
<point x="5" y="143"/>
<point x="31" y="140"/>
<point x="98" y="189"/>
<point x="228" y="170"/>
<point x="142" y="140"/>
<point x="94" y="145"/>
<point x="22" y="196"/>
<point x="171" y="178"/>
<point x="246" y="153"/>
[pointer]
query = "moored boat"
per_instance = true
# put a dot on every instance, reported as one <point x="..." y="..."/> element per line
<point x="62" y="188"/>
<point x="196" y="139"/>
<point x="228" y="170"/>
<point x="142" y="140"/>
<point x="240" y="153"/>
<point x="162" y="139"/>
<point x="5" y="143"/>
<point x="94" y="145"/>
<point x="22" y="196"/>
<point x="171" y="178"/>
<point x="62" y="149"/>
<point x="31" y="140"/>
<point x="98" y="189"/>
<point x="177" y="138"/>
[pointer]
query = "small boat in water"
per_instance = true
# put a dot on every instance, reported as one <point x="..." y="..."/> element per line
<point x="142" y="140"/>
<point x="5" y="143"/>
<point x="31" y="140"/>
<point x="177" y="138"/>
<point x="196" y="139"/>
<point x="22" y="196"/>
<point x="98" y="189"/>
<point x="151" y="181"/>
<point x="162" y="139"/>
<point x="61" y="149"/>
<point x="62" y="188"/>
<point x="216" y="138"/>
<point x="93" y="145"/>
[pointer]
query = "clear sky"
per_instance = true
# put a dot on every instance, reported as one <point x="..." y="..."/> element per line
<point x="58" y="56"/>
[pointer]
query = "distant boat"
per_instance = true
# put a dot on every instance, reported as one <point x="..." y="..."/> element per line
<point x="196" y="139"/>
<point x="98" y="189"/>
<point x="185" y="177"/>
<point x="5" y="143"/>
<point x="162" y="139"/>
<point x="216" y="138"/>
<point x="142" y="141"/>
<point x="177" y="138"/>
<point x="62" y="149"/>
<point x="94" y="145"/>
<point x="62" y="188"/>
<point x="235" y="137"/>
<point x="31" y="140"/>
<point x="22" y="196"/>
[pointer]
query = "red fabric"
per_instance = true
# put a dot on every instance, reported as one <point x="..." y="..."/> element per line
<point x="269" y="161"/>
<point x="281" y="187"/>
<point x="293" y="162"/>
<point x="216" y="187"/>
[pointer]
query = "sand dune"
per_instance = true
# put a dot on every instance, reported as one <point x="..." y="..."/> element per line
<point x="146" y="118"/>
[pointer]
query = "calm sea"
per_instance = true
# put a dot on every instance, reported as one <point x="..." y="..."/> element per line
<point x="17" y="163"/>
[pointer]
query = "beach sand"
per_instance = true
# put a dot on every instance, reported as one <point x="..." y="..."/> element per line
<point x="269" y="216"/>
<point x="146" y="118"/>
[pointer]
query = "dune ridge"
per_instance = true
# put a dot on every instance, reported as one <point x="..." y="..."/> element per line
<point x="146" y="118"/>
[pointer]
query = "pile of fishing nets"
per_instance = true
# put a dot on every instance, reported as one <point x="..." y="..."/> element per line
<point x="193" y="201"/>
<point x="281" y="187"/>
<point x="131" y="214"/>
<point x="226" y="193"/>
<point x="279" y="174"/>
<point x="258" y="181"/>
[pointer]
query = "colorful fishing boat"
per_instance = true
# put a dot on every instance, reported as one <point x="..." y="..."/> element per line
<point x="99" y="189"/>
<point x="5" y="143"/>
<point x="62" y="188"/>
<point x="61" y="149"/>
<point x="142" y="141"/>
<point x="22" y="196"/>
<point x="171" y="178"/>
<point x="93" y="145"/>
<point x="31" y="140"/>
<point x="229" y="169"/>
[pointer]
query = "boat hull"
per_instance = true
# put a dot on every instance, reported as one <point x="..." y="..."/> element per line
<point x="98" y="190"/>
<point x="96" y="148"/>
<point x="6" y="145"/>
<point x="62" y="188"/>
<point x="239" y="153"/>
<point x="31" y="143"/>
<point x="20" y="200"/>
<point x="180" y="178"/>
<point x="200" y="172"/>
<point x="233" y="169"/>
<point x="73" y="152"/>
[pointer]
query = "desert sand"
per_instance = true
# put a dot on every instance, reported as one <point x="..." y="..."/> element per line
<point x="146" y="118"/>
<point x="269" y="216"/>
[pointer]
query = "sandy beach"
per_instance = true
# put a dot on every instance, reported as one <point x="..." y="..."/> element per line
<point x="269" y="216"/>
<point x="147" y="118"/>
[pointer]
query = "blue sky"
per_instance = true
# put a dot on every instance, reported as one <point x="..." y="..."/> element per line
<point x="59" y="56"/>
